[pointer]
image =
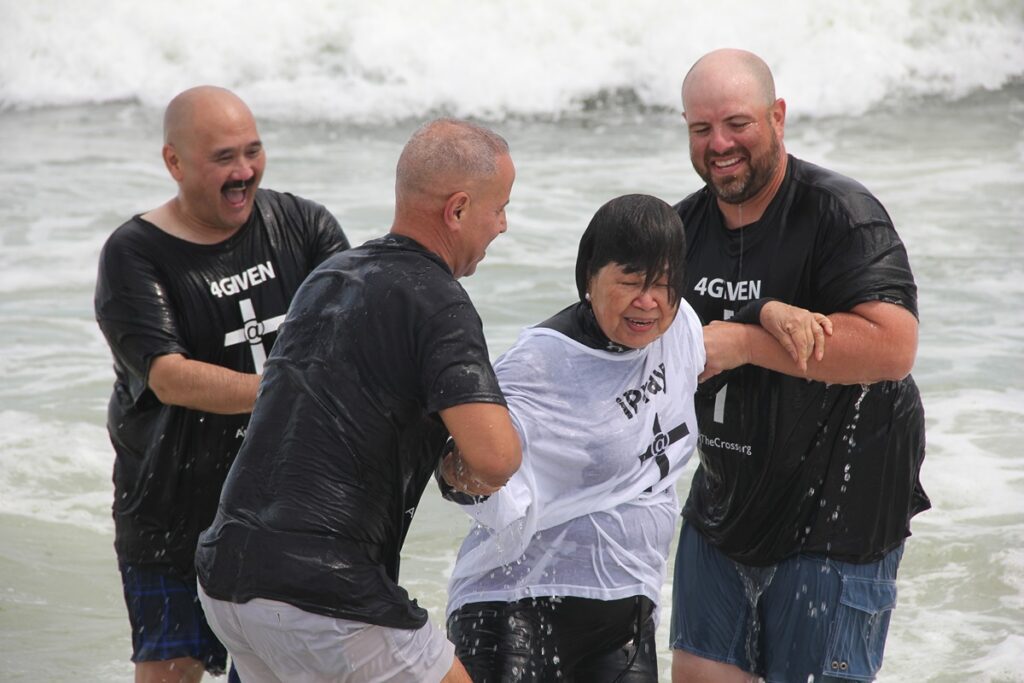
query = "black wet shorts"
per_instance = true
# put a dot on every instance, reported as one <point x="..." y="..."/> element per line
<point x="557" y="639"/>
<point x="167" y="620"/>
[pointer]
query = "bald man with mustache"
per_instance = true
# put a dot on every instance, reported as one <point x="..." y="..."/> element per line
<point x="190" y="296"/>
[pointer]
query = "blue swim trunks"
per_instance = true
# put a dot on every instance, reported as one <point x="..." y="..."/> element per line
<point x="167" y="619"/>
<point x="805" y="616"/>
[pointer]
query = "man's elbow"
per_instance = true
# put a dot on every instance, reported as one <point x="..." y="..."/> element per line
<point x="901" y="362"/>
<point x="899" y="355"/>
<point x="495" y="471"/>
<point x="504" y="465"/>
<point x="895" y="338"/>
<point x="165" y="378"/>
<point x="904" y="351"/>
<point x="164" y="391"/>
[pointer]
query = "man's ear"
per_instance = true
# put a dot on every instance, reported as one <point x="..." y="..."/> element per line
<point x="779" y="116"/>
<point x="173" y="162"/>
<point x="454" y="209"/>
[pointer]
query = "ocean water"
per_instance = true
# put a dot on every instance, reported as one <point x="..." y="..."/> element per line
<point x="922" y="101"/>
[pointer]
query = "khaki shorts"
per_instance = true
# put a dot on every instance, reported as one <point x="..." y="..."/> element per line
<point x="274" y="642"/>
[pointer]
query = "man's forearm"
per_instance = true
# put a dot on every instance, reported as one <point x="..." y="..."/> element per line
<point x="194" y="384"/>
<point x="859" y="351"/>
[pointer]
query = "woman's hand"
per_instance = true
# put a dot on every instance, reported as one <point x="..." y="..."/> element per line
<point x="800" y="332"/>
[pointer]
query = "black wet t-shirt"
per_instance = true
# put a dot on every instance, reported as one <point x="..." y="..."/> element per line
<point x="786" y="464"/>
<point x="345" y="436"/>
<point x="221" y="304"/>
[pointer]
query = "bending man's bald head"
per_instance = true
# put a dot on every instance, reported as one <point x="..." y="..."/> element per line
<point x="731" y="66"/>
<point x="446" y="156"/>
<point x="187" y="111"/>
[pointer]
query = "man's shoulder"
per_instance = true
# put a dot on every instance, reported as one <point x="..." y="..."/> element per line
<point x="285" y="201"/>
<point x="133" y="228"/>
<point x="694" y="206"/>
<point x="692" y="202"/>
<point x="400" y="248"/>
<point x="301" y="222"/>
<point x="844" y="192"/>
<point x="133" y="237"/>
<point x="396" y="266"/>
<point x="813" y="175"/>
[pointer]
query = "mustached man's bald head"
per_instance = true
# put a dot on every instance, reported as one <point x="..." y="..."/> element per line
<point x="188" y="111"/>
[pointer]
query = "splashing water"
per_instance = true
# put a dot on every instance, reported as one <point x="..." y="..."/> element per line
<point x="755" y="581"/>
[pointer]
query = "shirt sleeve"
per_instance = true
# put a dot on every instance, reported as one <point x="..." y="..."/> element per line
<point x="328" y="237"/>
<point x="134" y="310"/>
<point x="865" y="260"/>
<point x="454" y="361"/>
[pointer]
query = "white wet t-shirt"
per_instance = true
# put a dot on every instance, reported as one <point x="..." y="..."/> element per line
<point x="593" y="509"/>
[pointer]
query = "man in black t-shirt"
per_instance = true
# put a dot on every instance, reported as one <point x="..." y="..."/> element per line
<point x="381" y="357"/>
<point x="811" y="428"/>
<point x="190" y="297"/>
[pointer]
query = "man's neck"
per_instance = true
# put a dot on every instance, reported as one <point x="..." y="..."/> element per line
<point x="424" y="228"/>
<point x="173" y="219"/>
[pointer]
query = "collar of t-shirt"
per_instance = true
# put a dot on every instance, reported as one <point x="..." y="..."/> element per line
<point x="579" y="323"/>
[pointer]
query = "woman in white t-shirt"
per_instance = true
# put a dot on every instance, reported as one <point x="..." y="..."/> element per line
<point x="561" y="573"/>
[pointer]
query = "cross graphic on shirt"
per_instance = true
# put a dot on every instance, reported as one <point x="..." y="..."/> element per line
<point x="252" y="331"/>
<point x="661" y="442"/>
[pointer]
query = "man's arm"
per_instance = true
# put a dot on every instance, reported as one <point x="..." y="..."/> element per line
<point x="487" y="451"/>
<point x="874" y="341"/>
<point x="178" y="381"/>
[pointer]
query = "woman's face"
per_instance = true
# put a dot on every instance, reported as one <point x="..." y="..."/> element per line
<point x="627" y="313"/>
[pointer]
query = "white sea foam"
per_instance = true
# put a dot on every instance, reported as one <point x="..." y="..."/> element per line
<point x="1002" y="664"/>
<point x="394" y="59"/>
<point x="970" y="431"/>
<point x="55" y="470"/>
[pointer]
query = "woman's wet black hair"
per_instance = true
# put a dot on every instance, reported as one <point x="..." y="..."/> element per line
<point x="640" y="233"/>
